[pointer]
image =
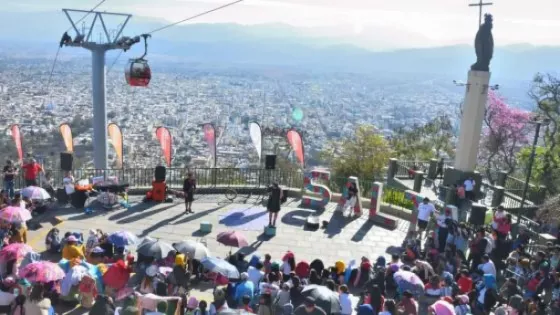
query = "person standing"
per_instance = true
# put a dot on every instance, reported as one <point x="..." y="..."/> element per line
<point x="469" y="188"/>
<point x="439" y="169"/>
<point x="10" y="172"/>
<point x="188" y="188"/>
<point x="32" y="170"/>
<point x="425" y="211"/>
<point x="273" y="205"/>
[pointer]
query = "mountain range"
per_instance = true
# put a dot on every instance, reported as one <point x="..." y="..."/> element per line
<point x="286" y="46"/>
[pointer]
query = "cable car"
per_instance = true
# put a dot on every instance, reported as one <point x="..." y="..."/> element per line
<point x="137" y="71"/>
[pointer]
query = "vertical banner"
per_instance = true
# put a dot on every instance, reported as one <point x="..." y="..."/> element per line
<point x="256" y="137"/>
<point x="210" y="137"/>
<point x="116" y="136"/>
<point x="66" y="134"/>
<point x="164" y="137"/>
<point x="16" y="134"/>
<point x="296" y="142"/>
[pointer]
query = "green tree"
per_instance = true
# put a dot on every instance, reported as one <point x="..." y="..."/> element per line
<point x="365" y="155"/>
<point x="432" y="140"/>
<point x="545" y="92"/>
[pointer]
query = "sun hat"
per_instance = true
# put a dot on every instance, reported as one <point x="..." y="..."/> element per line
<point x="151" y="271"/>
<point x="72" y="238"/>
<point x="192" y="303"/>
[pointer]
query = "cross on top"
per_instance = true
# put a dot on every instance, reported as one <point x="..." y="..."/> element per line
<point x="480" y="4"/>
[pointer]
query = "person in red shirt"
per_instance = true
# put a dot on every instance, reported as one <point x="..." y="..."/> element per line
<point x="32" y="170"/>
<point x="465" y="282"/>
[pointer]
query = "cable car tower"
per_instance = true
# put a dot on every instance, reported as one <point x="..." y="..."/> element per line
<point x="98" y="72"/>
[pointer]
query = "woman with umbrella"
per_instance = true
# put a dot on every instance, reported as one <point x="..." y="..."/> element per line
<point x="37" y="303"/>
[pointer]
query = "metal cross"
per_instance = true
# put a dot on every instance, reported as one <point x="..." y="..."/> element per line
<point x="480" y="4"/>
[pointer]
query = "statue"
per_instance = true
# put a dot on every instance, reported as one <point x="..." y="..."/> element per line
<point x="484" y="45"/>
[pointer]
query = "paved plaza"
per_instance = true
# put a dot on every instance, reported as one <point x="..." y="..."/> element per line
<point x="344" y="238"/>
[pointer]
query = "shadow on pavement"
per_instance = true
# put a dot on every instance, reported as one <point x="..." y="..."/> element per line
<point x="297" y="217"/>
<point x="362" y="231"/>
<point x="337" y="223"/>
<point x="141" y="206"/>
<point x="143" y="215"/>
<point x="198" y="215"/>
<point x="160" y="224"/>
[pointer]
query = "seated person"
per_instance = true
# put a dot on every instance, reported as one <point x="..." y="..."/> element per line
<point x="53" y="241"/>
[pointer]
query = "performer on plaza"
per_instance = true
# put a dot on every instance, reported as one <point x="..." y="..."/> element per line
<point x="273" y="205"/>
<point x="188" y="188"/>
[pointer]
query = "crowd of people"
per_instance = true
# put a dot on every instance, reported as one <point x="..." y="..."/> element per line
<point x="444" y="267"/>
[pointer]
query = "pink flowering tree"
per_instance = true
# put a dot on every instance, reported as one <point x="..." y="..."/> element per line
<point x="505" y="133"/>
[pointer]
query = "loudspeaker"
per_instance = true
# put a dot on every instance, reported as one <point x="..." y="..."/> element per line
<point x="160" y="173"/>
<point x="478" y="213"/>
<point x="66" y="161"/>
<point x="270" y="162"/>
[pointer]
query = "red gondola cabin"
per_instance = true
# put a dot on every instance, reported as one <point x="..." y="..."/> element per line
<point x="138" y="73"/>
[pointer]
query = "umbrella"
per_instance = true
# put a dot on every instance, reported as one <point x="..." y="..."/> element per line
<point x="324" y="298"/>
<point x="14" y="251"/>
<point x="35" y="193"/>
<point x="15" y="214"/>
<point x="30" y="257"/>
<point x="233" y="239"/>
<point x="407" y="280"/>
<point x="42" y="271"/>
<point x="194" y="250"/>
<point x="156" y="249"/>
<point x="220" y="266"/>
<point x="123" y="238"/>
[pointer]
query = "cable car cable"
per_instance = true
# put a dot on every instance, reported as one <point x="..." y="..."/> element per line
<point x="195" y="16"/>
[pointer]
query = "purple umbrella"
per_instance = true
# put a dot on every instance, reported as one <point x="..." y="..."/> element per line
<point x="233" y="239"/>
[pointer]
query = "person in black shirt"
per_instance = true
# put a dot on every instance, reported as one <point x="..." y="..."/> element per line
<point x="188" y="188"/>
<point x="10" y="172"/>
<point x="273" y="205"/>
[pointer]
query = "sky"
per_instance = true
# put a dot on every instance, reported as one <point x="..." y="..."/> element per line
<point x="410" y="23"/>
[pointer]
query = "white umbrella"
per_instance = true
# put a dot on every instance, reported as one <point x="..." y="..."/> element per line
<point x="35" y="193"/>
<point x="194" y="250"/>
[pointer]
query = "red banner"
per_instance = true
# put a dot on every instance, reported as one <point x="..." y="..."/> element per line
<point x="210" y="137"/>
<point x="66" y="133"/>
<point x="164" y="137"/>
<point x="296" y="142"/>
<point x="16" y="134"/>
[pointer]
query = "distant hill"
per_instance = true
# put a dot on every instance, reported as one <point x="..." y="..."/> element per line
<point x="283" y="45"/>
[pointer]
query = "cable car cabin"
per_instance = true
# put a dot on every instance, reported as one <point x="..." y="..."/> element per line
<point x="138" y="73"/>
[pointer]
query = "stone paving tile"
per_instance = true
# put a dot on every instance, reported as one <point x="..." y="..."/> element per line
<point x="343" y="239"/>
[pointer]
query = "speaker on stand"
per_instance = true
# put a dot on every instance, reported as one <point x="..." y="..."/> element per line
<point x="478" y="214"/>
<point x="66" y="161"/>
<point x="160" y="173"/>
<point x="269" y="165"/>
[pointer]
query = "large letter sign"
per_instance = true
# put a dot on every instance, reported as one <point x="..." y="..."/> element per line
<point x="352" y="180"/>
<point x="320" y="194"/>
<point x="375" y="214"/>
<point x="416" y="200"/>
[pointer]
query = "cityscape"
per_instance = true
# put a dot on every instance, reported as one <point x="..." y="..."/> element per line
<point x="323" y="106"/>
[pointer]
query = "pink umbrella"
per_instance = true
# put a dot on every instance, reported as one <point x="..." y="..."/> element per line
<point x="42" y="272"/>
<point x="14" y="251"/>
<point x="15" y="214"/>
<point x="233" y="239"/>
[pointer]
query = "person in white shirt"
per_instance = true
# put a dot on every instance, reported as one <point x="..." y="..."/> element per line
<point x="256" y="274"/>
<point x="425" y="211"/>
<point x="345" y="301"/>
<point x="6" y="298"/>
<point x="161" y="309"/>
<point x="487" y="266"/>
<point x="68" y="182"/>
<point x="443" y="229"/>
<point x="469" y="188"/>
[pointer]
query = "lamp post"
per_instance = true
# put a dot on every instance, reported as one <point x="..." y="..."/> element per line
<point x="538" y="123"/>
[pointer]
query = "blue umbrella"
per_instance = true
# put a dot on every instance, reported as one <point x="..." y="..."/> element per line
<point x="122" y="238"/>
<point x="220" y="266"/>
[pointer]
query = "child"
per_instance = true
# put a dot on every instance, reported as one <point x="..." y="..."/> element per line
<point x="202" y="308"/>
<point x="53" y="241"/>
<point x="345" y="301"/>
<point x="499" y="217"/>
<point x="245" y="301"/>
<point x="92" y="241"/>
<point x="192" y="306"/>
<point x="465" y="282"/>
<point x="267" y="263"/>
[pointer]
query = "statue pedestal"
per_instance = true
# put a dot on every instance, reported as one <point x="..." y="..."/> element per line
<point x="474" y="108"/>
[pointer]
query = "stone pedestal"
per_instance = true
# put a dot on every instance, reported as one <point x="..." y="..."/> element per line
<point x="474" y="108"/>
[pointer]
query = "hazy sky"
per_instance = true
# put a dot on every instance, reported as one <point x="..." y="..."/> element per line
<point x="437" y="22"/>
